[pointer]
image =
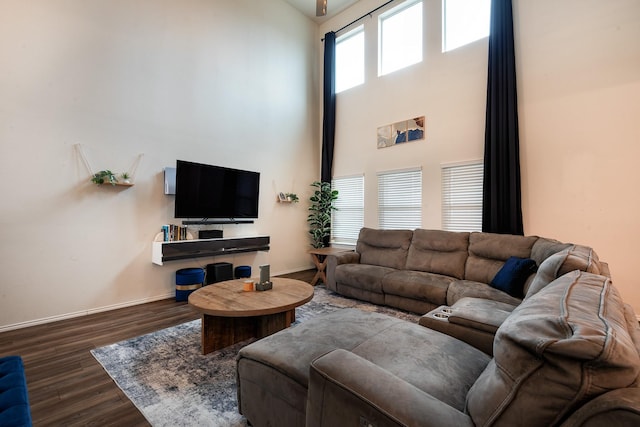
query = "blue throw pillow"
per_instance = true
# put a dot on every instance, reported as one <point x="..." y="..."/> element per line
<point x="513" y="275"/>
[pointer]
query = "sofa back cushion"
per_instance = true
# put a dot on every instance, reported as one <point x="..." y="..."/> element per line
<point x="575" y="257"/>
<point x="560" y="348"/>
<point x="488" y="253"/>
<point x="386" y="248"/>
<point x="543" y="248"/>
<point x="436" y="251"/>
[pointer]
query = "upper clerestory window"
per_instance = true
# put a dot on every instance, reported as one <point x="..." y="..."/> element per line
<point x="350" y="59"/>
<point x="464" y="21"/>
<point x="400" y="37"/>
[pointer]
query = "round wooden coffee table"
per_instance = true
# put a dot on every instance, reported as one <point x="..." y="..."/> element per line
<point x="231" y="315"/>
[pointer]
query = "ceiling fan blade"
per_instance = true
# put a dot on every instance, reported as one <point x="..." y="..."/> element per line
<point x="321" y="7"/>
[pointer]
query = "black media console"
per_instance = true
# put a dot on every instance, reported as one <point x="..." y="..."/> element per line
<point x="185" y="249"/>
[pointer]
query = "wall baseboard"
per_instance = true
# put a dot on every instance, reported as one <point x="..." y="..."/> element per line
<point x="84" y="312"/>
<point x="110" y="307"/>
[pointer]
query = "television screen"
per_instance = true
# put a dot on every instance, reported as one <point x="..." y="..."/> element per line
<point x="207" y="191"/>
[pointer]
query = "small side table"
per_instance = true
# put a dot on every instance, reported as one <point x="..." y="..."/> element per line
<point x="319" y="257"/>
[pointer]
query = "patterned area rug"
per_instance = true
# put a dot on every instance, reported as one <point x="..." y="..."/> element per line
<point x="167" y="378"/>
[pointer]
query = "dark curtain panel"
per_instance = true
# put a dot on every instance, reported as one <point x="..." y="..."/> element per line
<point x="329" y="113"/>
<point x="501" y="204"/>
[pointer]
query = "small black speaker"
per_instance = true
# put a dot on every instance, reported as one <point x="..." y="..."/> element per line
<point x="209" y="234"/>
<point x="219" y="272"/>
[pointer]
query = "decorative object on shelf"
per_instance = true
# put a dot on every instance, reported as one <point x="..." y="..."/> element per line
<point x="288" y="198"/>
<point x="106" y="176"/>
<point x="292" y="197"/>
<point x="101" y="177"/>
<point x="322" y="204"/>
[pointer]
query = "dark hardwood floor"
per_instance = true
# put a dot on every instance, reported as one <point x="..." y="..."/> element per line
<point x="67" y="386"/>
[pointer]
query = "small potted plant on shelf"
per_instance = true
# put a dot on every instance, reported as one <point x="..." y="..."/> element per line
<point x="126" y="178"/>
<point x="104" y="176"/>
<point x="292" y="197"/>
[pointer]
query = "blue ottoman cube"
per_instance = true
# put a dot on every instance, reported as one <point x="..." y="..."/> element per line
<point x="242" y="271"/>
<point x="187" y="281"/>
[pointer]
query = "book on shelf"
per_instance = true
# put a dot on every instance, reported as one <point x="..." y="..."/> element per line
<point x="172" y="232"/>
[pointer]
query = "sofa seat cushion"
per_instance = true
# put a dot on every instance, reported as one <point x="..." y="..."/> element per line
<point x="273" y="373"/>
<point x="417" y="285"/>
<point x="558" y="349"/>
<point x="386" y="248"/>
<point x="362" y="276"/>
<point x="435" y="363"/>
<point x="459" y="289"/>
<point x="437" y="251"/>
<point x="291" y="351"/>
<point x="482" y="314"/>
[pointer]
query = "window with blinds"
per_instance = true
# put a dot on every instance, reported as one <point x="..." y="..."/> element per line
<point x="462" y="197"/>
<point x="348" y="218"/>
<point x="400" y="199"/>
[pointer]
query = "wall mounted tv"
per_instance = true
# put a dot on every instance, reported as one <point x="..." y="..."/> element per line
<point x="207" y="191"/>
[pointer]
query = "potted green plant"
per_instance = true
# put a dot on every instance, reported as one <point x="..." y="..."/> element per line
<point x="126" y="178"/>
<point x="104" y="176"/>
<point x="322" y="204"/>
<point x="292" y="197"/>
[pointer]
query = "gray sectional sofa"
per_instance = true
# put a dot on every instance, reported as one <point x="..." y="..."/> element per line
<point x="420" y="270"/>
<point x="448" y="275"/>
<point x="565" y="353"/>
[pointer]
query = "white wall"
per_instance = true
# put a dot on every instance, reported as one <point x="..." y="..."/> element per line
<point x="579" y="71"/>
<point x="225" y="82"/>
<point x="578" y="65"/>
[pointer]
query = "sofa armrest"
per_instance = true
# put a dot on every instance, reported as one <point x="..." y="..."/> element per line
<point x="619" y="407"/>
<point x="345" y="389"/>
<point x="335" y="260"/>
<point x="472" y="320"/>
<point x="604" y="269"/>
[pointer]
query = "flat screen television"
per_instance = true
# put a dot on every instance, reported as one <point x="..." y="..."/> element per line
<point x="207" y="191"/>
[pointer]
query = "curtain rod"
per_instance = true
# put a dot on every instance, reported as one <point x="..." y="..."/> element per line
<point x="362" y="17"/>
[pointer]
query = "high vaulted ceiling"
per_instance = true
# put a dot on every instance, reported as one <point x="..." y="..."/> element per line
<point x="308" y="7"/>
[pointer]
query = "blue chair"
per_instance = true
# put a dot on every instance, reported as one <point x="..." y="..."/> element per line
<point x="14" y="398"/>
